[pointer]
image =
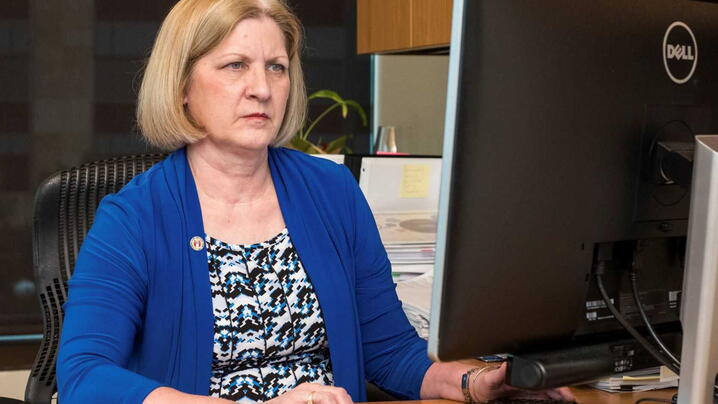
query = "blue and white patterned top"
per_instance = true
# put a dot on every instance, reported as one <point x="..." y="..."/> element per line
<point x="269" y="333"/>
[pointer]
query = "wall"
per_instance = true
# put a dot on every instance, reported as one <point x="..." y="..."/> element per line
<point x="410" y="94"/>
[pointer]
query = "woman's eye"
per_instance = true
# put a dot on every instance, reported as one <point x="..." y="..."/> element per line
<point x="277" y="68"/>
<point x="236" y="65"/>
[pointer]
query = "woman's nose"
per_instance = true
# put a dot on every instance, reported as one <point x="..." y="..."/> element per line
<point x="258" y="86"/>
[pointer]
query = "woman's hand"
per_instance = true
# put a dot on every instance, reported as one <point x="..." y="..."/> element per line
<point x="491" y="384"/>
<point x="312" y="393"/>
<point x="166" y="395"/>
<point x="305" y="393"/>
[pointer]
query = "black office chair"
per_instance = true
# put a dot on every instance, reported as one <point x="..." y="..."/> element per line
<point x="64" y="210"/>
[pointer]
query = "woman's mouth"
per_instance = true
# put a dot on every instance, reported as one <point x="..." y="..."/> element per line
<point x="258" y="115"/>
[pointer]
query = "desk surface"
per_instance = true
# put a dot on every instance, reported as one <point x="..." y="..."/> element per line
<point x="587" y="395"/>
<point x="584" y="395"/>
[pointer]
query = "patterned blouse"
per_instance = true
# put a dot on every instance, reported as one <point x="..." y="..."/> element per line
<point x="269" y="334"/>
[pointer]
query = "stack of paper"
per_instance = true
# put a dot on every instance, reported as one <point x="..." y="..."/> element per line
<point x="415" y="296"/>
<point x="640" y="380"/>
<point x="410" y="241"/>
<point x="403" y="193"/>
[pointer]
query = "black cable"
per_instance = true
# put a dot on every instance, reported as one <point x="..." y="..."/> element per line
<point x="644" y="343"/>
<point x="651" y="330"/>
<point x="646" y="322"/>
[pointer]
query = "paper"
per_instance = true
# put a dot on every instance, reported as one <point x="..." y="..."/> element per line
<point x="639" y="380"/>
<point x="415" y="296"/>
<point x="406" y="184"/>
<point x="406" y="227"/>
<point x="415" y="181"/>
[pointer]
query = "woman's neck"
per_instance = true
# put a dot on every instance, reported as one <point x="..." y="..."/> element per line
<point x="229" y="177"/>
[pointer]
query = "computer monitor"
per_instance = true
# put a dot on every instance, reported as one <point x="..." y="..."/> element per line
<point x="699" y="315"/>
<point x="569" y="127"/>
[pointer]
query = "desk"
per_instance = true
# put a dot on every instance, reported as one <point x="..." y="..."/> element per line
<point x="584" y="395"/>
<point x="587" y="395"/>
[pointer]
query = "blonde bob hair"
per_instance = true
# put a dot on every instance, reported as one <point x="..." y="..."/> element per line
<point x="192" y="29"/>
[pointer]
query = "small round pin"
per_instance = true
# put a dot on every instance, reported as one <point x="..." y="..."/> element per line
<point x="196" y="243"/>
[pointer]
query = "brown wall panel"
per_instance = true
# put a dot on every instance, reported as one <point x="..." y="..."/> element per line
<point x="132" y="10"/>
<point x="431" y="22"/>
<point x="14" y="117"/>
<point x="13" y="9"/>
<point x="12" y="167"/>
<point x="114" y="118"/>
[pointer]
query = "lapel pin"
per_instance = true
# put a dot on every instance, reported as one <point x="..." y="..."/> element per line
<point x="196" y="243"/>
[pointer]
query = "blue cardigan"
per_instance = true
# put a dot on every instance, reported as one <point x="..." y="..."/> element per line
<point x="139" y="312"/>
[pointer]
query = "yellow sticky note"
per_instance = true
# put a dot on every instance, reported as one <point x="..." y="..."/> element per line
<point x="415" y="181"/>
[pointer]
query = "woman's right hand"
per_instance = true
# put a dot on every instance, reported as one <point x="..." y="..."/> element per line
<point x="492" y="385"/>
<point x="313" y="393"/>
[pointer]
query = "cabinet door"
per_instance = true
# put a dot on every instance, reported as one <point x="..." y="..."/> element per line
<point x="431" y="23"/>
<point x="383" y="25"/>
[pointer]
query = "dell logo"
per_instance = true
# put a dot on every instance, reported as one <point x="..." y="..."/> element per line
<point x="680" y="52"/>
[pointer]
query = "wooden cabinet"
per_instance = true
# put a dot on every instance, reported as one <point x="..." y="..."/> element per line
<point x="402" y="25"/>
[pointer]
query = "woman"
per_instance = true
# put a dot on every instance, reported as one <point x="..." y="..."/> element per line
<point x="236" y="270"/>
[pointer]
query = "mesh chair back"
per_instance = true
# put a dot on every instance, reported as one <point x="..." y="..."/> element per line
<point x="64" y="210"/>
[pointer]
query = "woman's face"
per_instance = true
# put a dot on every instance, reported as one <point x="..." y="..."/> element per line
<point x="238" y="91"/>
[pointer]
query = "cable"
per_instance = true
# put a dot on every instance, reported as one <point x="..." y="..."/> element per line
<point x="651" y="330"/>
<point x="644" y="343"/>
<point x="637" y="299"/>
<point x="605" y="252"/>
<point x="644" y="317"/>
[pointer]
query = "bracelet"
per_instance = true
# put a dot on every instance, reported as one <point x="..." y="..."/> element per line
<point x="466" y="380"/>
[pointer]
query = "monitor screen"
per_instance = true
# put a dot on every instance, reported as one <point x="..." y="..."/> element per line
<point x="569" y="126"/>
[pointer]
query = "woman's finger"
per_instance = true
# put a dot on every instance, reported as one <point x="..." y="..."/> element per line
<point x="307" y="386"/>
<point x="554" y="395"/>
<point x="492" y="384"/>
<point x="566" y="394"/>
<point x="321" y="394"/>
<point x="331" y="396"/>
<point x="494" y="379"/>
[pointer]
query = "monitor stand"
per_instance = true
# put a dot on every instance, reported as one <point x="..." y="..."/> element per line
<point x="699" y="312"/>
<point x="562" y="367"/>
<point x="580" y="362"/>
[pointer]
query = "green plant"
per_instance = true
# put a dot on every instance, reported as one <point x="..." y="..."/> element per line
<point x="301" y="141"/>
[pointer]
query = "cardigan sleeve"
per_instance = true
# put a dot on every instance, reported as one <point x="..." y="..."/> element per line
<point x="395" y="357"/>
<point x="103" y="313"/>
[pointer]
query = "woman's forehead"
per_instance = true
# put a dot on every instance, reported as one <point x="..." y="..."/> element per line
<point x="254" y="36"/>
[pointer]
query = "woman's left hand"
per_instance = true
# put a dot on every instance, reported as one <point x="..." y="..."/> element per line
<point x="491" y="384"/>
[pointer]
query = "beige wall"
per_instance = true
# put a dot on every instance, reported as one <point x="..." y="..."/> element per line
<point x="410" y="94"/>
<point x="12" y="383"/>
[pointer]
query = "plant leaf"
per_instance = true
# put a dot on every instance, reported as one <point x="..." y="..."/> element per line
<point x="297" y="143"/>
<point x="305" y="146"/>
<point x="328" y="94"/>
<point x="337" y="145"/>
<point x="359" y="110"/>
<point x="331" y="95"/>
<point x="300" y="140"/>
<point x="319" y="118"/>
